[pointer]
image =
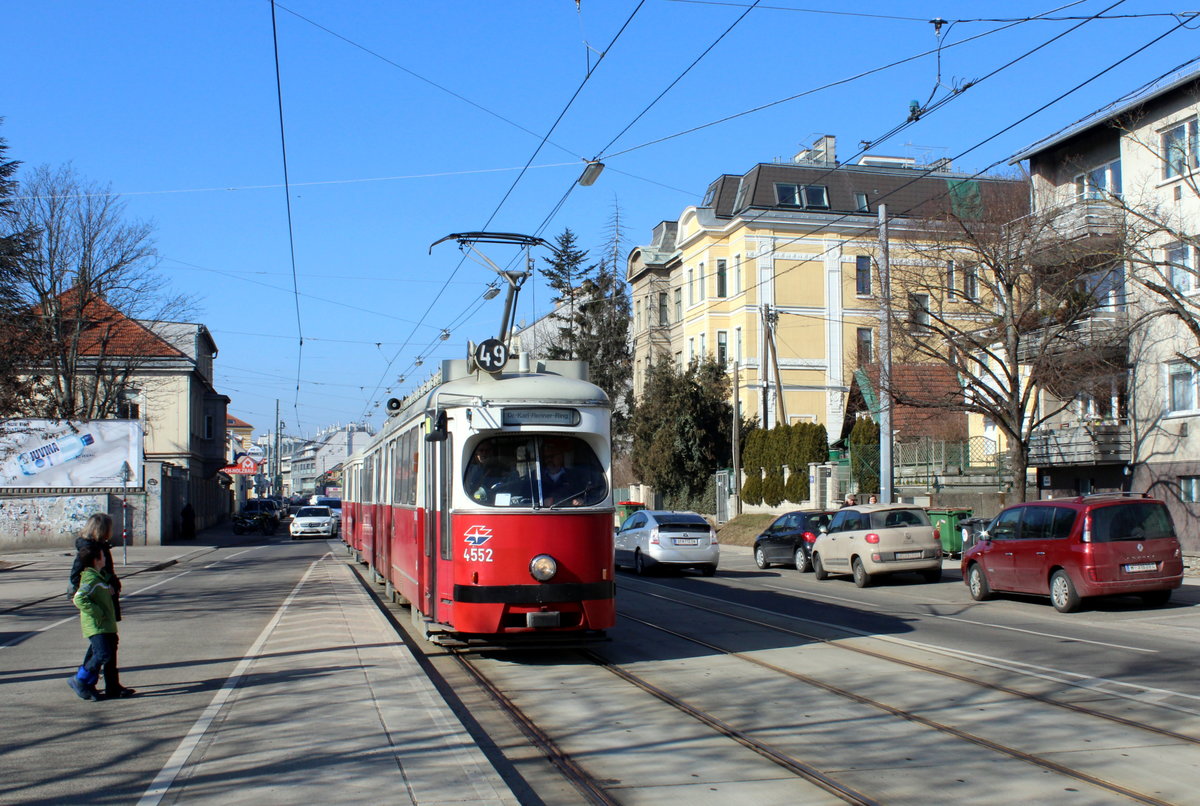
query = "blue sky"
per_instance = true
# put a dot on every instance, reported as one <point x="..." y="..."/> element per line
<point x="407" y="121"/>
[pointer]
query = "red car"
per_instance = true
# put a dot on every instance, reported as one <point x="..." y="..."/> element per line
<point x="1074" y="548"/>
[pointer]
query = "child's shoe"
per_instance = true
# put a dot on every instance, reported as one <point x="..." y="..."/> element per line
<point x="82" y="689"/>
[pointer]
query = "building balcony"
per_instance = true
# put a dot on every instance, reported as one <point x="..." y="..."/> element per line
<point x="1081" y="443"/>
<point x="1089" y="231"/>
<point x="1101" y="333"/>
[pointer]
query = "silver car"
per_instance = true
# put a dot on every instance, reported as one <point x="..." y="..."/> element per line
<point x="875" y="539"/>
<point x="656" y="538"/>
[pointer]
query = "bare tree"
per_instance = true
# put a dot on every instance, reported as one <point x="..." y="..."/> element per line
<point x="1016" y="309"/>
<point x="93" y="302"/>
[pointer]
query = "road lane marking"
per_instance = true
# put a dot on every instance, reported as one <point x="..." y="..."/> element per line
<point x="175" y="764"/>
<point x="26" y="636"/>
<point x="1056" y="636"/>
<point x="1140" y="693"/>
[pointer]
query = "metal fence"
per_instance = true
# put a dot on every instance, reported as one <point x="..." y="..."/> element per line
<point x="926" y="460"/>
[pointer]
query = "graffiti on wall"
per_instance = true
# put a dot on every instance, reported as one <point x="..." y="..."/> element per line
<point x="51" y="519"/>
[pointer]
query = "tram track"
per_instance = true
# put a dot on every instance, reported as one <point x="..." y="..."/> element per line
<point x="509" y="682"/>
<point x="1014" y="753"/>
<point x="948" y="674"/>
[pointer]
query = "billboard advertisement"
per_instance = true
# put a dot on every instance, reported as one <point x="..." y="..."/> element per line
<point x="54" y="453"/>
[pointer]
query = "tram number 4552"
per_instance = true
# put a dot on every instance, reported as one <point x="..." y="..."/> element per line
<point x="478" y="555"/>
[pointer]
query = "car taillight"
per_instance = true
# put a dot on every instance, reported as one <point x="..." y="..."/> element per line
<point x="872" y="538"/>
<point x="937" y="534"/>
<point x="713" y="537"/>
<point x="654" y="537"/>
<point x="809" y="537"/>
<point x="1086" y="537"/>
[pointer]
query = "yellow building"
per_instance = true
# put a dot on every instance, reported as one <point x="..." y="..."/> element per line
<point x="775" y="272"/>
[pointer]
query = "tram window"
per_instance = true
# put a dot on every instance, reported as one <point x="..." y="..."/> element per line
<point x="534" y="470"/>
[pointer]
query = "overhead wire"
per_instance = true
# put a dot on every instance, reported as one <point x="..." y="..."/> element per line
<point x="287" y="194"/>
<point x="777" y="246"/>
<point x="561" y="202"/>
<point x="529" y="162"/>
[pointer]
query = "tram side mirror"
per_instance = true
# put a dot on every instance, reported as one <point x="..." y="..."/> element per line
<point x="438" y="432"/>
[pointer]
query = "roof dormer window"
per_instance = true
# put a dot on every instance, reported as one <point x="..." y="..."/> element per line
<point x="810" y="197"/>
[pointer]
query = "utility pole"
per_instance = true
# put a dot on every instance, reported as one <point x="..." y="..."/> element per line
<point x="885" y="362"/>
<point x="737" y="441"/>
<point x="276" y="472"/>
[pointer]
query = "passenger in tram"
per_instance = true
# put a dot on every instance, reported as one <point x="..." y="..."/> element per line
<point x="561" y="481"/>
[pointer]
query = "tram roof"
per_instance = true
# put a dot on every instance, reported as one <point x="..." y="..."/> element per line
<point x="551" y="382"/>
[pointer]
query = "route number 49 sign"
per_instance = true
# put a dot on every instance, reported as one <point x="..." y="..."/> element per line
<point x="491" y="355"/>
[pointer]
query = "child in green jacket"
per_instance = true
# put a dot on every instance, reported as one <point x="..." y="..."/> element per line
<point x="98" y="617"/>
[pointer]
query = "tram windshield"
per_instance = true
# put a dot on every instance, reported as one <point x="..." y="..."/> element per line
<point x="534" y="470"/>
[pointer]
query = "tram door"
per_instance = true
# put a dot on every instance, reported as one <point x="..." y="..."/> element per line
<point x="437" y="526"/>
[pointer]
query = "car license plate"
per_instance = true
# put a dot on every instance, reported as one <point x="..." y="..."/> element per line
<point x="1135" y="567"/>
<point x="687" y="541"/>
<point x="908" y="555"/>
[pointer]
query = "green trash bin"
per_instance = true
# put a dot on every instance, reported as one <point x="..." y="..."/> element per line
<point x="948" y="525"/>
<point x="627" y="508"/>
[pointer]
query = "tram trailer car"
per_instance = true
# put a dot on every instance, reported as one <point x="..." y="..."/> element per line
<point x="485" y="503"/>
<point x="351" y="532"/>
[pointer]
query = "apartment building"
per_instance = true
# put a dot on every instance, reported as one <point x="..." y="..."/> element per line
<point x="1122" y="187"/>
<point x="776" y="272"/>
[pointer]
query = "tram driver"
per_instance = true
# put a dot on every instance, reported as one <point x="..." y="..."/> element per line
<point x="486" y="472"/>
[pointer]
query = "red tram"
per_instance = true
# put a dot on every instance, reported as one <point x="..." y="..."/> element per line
<point x="485" y="503"/>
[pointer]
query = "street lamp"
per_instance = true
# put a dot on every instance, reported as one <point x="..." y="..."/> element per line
<point x="126" y="472"/>
<point x="591" y="173"/>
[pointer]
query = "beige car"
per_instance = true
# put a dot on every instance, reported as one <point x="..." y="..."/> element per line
<point x="876" y="539"/>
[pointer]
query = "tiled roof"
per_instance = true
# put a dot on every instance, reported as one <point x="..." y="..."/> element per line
<point x="234" y="422"/>
<point x="107" y="331"/>
<point x="934" y="392"/>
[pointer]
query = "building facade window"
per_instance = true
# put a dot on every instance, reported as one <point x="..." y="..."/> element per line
<point x="737" y="345"/>
<point x="1189" y="489"/>
<point x="810" y="197"/>
<point x="861" y="205"/>
<point x="865" y="343"/>
<point x="129" y="405"/>
<point x="703" y="345"/>
<point x="722" y="347"/>
<point x="208" y="426"/>
<point x="637" y="315"/>
<point x="701" y="284"/>
<point x="862" y="275"/>
<point x="1182" y="268"/>
<point x="664" y="318"/>
<point x="918" y="309"/>
<point x="691" y="349"/>
<point x="691" y="285"/>
<point x="1099" y="183"/>
<point x="737" y="274"/>
<point x="1181" y="387"/>
<point x="678" y="304"/>
<point x="1179" y="147"/>
<point x="722" y="279"/>
<point x="970" y="282"/>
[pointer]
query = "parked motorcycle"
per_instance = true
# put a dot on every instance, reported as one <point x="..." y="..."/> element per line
<point x="254" y="522"/>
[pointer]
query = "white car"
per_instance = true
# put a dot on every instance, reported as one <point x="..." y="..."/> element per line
<point x="655" y="538"/>
<point x="314" y="522"/>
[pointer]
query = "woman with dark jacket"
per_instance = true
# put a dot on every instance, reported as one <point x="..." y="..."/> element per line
<point x="97" y="534"/>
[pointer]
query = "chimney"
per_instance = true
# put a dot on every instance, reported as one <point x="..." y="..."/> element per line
<point x="822" y="152"/>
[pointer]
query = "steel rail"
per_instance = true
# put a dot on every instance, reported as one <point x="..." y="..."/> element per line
<point x="1012" y="752"/>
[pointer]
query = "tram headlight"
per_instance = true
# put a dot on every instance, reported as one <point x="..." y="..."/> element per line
<point x="543" y="567"/>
